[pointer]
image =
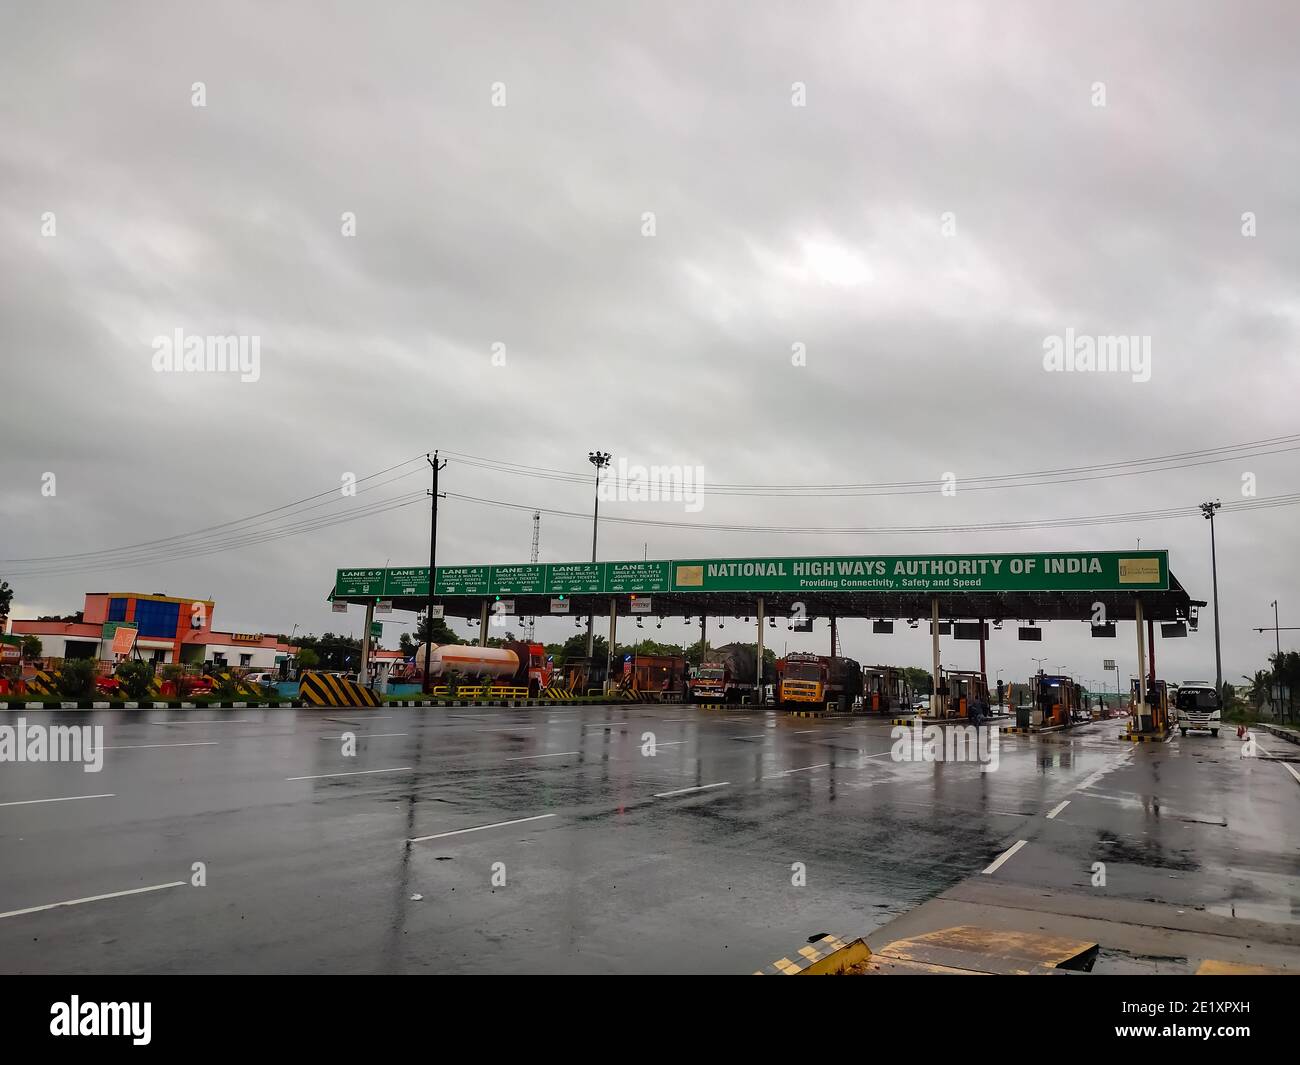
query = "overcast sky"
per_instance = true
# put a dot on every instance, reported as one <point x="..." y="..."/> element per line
<point x="917" y="194"/>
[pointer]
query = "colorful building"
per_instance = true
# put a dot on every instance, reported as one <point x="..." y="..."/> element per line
<point x="167" y="629"/>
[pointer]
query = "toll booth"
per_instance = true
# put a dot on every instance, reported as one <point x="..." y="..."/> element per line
<point x="960" y="691"/>
<point x="1151" y="719"/>
<point x="882" y="690"/>
<point x="661" y="674"/>
<point x="1055" y="699"/>
<point x="582" y="674"/>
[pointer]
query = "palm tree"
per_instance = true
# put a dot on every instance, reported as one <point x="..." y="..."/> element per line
<point x="1258" y="688"/>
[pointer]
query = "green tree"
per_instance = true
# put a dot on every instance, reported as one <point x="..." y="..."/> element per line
<point x="1258" y="688"/>
<point x="32" y="647"/>
<point x="413" y="645"/>
<point x="77" y="678"/>
<point x="136" y="676"/>
<point x="918" y="680"/>
<point x="575" y="647"/>
<point x="308" y="658"/>
<point x="6" y="598"/>
<point x="1286" y="670"/>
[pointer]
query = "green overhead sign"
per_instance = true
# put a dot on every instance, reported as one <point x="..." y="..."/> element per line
<point x="1060" y="571"/>
<point x="1049" y="572"/>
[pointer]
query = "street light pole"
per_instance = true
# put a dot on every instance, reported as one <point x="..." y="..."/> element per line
<point x="600" y="460"/>
<point x="1208" y="510"/>
<point x="1277" y="663"/>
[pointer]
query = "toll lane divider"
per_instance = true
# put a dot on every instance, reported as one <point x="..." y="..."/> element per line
<point x="323" y="689"/>
<point x="1146" y="737"/>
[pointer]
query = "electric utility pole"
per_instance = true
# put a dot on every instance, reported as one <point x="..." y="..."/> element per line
<point x="1208" y="510"/>
<point x="433" y="548"/>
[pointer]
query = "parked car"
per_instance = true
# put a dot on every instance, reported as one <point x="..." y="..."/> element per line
<point x="260" y="678"/>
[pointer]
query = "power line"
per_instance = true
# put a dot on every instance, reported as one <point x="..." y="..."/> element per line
<point x="818" y="530"/>
<point x="986" y="482"/>
<point x="206" y="532"/>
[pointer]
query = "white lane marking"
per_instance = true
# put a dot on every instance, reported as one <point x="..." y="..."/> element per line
<point x="1004" y="856"/>
<point x="368" y="735"/>
<point x="804" y="732"/>
<point x="480" y="828"/>
<point x="213" y="721"/>
<point x="753" y="736"/>
<point x="1052" y="816"/>
<point x="1284" y="765"/>
<point x="1092" y="778"/>
<point x="685" y="791"/>
<point x="360" y="773"/>
<point x="525" y="757"/>
<point x="804" y="769"/>
<point x="66" y="798"/>
<point x="91" y="898"/>
<point x="512" y="728"/>
<point x="670" y="743"/>
<point x="146" y="746"/>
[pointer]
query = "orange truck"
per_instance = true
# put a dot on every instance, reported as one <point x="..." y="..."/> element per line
<point x="807" y="678"/>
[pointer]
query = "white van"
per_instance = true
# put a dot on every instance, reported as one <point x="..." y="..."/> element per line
<point x="1198" y="706"/>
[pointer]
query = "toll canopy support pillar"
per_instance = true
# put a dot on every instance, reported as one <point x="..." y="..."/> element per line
<point x="934" y="645"/>
<point x="1151" y="647"/>
<point x="758" y="681"/>
<point x="704" y="636"/>
<point x="483" y="624"/>
<point x="834" y="634"/>
<point x="363" y="674"/>
<point x="1142" y="673"/>
<point x="613" y="631"/>
<point x="983" y="671"/>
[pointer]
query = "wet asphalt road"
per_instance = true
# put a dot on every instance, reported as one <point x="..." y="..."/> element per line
<point x="611" y="864"/>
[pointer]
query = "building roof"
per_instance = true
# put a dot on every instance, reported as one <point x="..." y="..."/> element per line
<point x="209" y="638"/>
<point x="82" y="630"/>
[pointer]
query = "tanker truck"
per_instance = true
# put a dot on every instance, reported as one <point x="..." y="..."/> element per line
<point x="802" y="677"/>
<point x="726" y="674"/>
<point x="515" y="663"/>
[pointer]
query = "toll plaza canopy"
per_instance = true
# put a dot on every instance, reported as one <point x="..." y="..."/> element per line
<point x="1048" y="586"/>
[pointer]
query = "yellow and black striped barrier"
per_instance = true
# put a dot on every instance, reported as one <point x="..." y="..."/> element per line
<point x="828" y="956"/>
<point x="43" y="682"/>
<point x="1145" y="737"/>
<point x="237" y="684"/>
<point x="322" y="689"/>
